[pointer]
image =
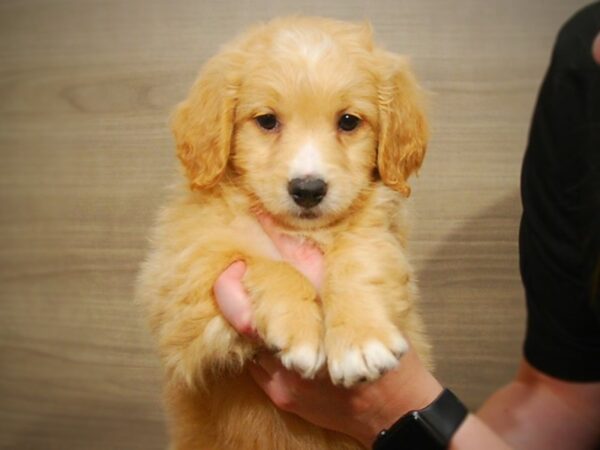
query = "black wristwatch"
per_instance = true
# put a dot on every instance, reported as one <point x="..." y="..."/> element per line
<point x="430" y="428"/>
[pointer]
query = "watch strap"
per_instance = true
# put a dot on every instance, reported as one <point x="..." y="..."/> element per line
<point x="439" y="421"/>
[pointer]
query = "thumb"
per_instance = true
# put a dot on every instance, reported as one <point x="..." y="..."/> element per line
<point x="232" y="299"/>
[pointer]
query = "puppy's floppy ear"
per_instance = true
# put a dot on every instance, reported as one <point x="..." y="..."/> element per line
<point x="403" y="130"/>
<point x="203" y="123"/>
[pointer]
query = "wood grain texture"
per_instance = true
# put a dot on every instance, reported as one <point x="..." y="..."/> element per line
<point x="86" y="88"/>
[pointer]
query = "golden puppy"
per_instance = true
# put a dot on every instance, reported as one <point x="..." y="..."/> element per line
<point x="308" y="121"/>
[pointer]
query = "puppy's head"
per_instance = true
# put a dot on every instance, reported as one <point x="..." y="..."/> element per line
<point x="305" y="114"/>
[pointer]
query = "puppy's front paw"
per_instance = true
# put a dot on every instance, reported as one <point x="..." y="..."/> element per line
<point x="352" y="360"/>
<point x="287" y="315"/>
<point x="295" y="335"/>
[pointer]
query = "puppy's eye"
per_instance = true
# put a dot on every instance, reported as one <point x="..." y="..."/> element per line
<point x="348" y="122"/>
<point x="267" y="122"/>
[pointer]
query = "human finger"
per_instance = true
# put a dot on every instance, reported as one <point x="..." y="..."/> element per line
<point x="303" y="254"/>
<point x="269" y="363"/>
<point x="232" y="299"/>
<point x="285" y="244"/>
<point x="275" y="380"/>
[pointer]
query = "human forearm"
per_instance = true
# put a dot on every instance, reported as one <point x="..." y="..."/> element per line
<point x="536" y="411"/>
<point x="474" y="434"/>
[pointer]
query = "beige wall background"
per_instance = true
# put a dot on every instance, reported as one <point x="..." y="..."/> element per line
<point x="85" y="153"/>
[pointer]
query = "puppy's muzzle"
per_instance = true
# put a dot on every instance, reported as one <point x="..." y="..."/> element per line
<point x="307" y="192"/>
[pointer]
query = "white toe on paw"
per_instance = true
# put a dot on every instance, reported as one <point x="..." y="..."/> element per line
<point x="349" y="369"/>
<point x="367" y="362"/>
<point x="399" y="346"/>
<point x="378" y="358"/>
<point x="305" y="359"/>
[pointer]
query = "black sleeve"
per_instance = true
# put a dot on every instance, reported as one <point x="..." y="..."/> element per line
<point x="560" y="226"/>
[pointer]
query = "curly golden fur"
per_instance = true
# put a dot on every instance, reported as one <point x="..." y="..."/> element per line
<point x="305" y="74"/>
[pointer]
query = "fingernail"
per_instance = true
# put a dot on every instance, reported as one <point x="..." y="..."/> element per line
<point x="245" y="326"/>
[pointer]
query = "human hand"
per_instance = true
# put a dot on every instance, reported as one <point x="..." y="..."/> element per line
<point x="361" y="411"/>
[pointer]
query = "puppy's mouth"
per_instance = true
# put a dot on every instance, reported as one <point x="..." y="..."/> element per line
<point x="309" y="214"/>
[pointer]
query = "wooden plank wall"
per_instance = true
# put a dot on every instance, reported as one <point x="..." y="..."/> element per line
<point x="86" y="87"/>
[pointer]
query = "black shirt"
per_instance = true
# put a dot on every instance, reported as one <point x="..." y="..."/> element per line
<point x="560" y="226"/>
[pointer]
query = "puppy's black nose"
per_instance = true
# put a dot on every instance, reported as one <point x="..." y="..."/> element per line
<point x="307" y="192"/>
